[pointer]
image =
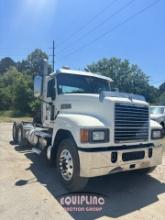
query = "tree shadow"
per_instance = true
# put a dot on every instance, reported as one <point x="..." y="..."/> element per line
<point x="12" y="143"/>
<point x="125" y="192"/>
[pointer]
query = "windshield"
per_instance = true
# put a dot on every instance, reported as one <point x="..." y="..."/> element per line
<point x="69" y="83"/>
<point x="157" y="110"/>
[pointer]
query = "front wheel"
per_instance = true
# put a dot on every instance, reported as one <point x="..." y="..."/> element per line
<point x="68" y="166"/>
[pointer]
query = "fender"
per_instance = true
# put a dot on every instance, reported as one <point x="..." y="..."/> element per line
<point x="74" y="122"/>
<point x="154" y="125"/>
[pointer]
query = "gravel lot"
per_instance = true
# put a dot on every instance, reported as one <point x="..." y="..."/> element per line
<point x="29" y="189"/>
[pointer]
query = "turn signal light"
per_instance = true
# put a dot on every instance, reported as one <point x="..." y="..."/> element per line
<point x="84" y="135"/>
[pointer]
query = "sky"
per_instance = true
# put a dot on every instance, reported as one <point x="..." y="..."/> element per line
<point x="85" y="31"/>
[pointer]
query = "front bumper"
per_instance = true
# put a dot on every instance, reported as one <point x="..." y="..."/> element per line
<point x="98" y="163"/>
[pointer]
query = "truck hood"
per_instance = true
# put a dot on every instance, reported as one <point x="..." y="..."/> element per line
<point x="156" y="116"/>
<point x="100" y="106"/>
<point x="93" y="100"/>
<point x="121" y="95"/>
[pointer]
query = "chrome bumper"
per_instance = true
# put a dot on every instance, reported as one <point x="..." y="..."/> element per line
<point x="99" y="163"/>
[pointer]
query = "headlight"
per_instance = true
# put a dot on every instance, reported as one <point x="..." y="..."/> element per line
<point x="156" y="134"/>
<point x="94" y="135"/>
<point x="98" y="136"/>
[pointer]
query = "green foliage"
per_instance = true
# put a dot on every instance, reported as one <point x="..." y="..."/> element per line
<point x="5" y="64"/>
<point x="34" y="59"/>
<point x="5" y="100"/>
<point x="16" y="82"/>
<point x="35" y="105"/>
<point x="16" y="91"/>
<point x="162" y="99"/>
<point x="22" y="93"/>
<point x="162" y="88"/>
<point x="12" y="113"/>
<point x="33" y="64"/>
<point x="126" y="77"/>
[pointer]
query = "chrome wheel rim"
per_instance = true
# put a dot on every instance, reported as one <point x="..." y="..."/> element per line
<point x="66" y="165"/>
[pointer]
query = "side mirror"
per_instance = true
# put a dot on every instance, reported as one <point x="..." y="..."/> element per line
<point x="37" y="86"/>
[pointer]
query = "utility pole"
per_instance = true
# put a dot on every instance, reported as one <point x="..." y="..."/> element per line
<point x="53" y="55"/>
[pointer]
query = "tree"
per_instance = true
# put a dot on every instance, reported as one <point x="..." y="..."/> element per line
<point x="162" y="99"/>
<point x="24" y="66"/>
<point x="22" y="95"/>
<point x="33" y="64"/>
<point x="35" y="60"/>
<point x="126" y="77"/>
<point x="16" y="91"/>
<point x="5" y="64"/>
<point x="5" y="99"/>
<point x="162" y="88"/>
<point x="16" y="82"/>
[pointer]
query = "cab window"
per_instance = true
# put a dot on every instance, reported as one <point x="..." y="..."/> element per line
<point x="51" y="89"/>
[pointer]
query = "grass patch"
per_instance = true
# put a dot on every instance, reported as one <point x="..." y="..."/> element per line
<point x="10" y="116"/>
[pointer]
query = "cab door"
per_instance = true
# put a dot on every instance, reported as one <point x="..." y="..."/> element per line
<point x="50" y="103"/>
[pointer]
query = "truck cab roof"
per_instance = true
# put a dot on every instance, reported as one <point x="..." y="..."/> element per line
<point x="79" y="72"/>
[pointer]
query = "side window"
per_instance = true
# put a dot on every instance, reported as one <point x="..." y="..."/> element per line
<point x="51" y="92"/>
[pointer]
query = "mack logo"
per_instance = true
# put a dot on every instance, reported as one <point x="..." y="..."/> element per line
<point x="66" y="106"/>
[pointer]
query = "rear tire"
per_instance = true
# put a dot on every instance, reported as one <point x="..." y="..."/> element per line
<point x="21" y="139"/>
<point x="163" y="126"/>
<point x="68" y="166"/>
<point x="15" y="133"/>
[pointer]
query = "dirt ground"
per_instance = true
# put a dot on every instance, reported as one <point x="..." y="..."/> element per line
<point x="29" y="189"/>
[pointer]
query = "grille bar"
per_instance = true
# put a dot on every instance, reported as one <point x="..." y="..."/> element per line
<point x="131" y="123"/>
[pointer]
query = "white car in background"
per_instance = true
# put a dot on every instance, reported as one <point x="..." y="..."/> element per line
<point x="157" y="113"/>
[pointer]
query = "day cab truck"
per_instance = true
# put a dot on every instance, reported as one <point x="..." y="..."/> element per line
<point x="87" y="130"/>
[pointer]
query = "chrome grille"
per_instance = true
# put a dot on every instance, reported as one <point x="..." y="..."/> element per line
<point x="131" y="123"/>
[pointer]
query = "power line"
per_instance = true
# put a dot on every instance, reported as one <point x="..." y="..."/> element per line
<point x="87" y="23"/>
<point x="113" y="29"/>
<point x="100" y="24"/>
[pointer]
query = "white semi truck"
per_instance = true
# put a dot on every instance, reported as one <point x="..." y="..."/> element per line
<point x="87" y="130"/>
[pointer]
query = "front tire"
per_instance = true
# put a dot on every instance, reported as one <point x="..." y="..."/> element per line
<point x="68" y="166"/>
